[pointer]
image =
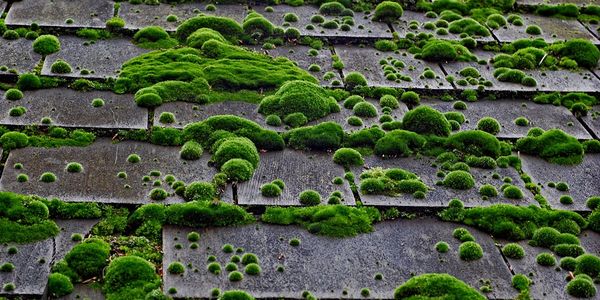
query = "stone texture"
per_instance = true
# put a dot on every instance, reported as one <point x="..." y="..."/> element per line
<point x="84" y="13"/>
<point x="18" y="56"/>
<point x="70" y="108"/>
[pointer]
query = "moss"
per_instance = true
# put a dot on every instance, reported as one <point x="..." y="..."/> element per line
<point x="470" y="251"/>
<point x="468" y="26"/>
<point x="295" y="119"/>
<point x="74" y="167"/>
<point x="582" y="51"/>
<point x="252" y="269"/>
<point x="133" y="158"/>
<point x="270" y="190"/>
<point x="115" y="23"/>
<point x="299" y="96"/>
<point x="295" y="242"/>
<point x="236" y="295"/>
<point x="593" y="202"/>
<point x="533" y="30"/>
<point x="348" y="157"/>
<point x="60" y="66"/>
<point x="460" y="180"/>
<point x="191" y="150"/>
<point x="436" y="286"/>
<point x="521" y="282"/>
<point x="13" y="94"/>
<point x="88" y="258"/>
<point x="310" y="198"/>
<point x="513" y="192"/>
<point x="236" y="147"/>
<point x="554" y="146"/>
<point x="153" y="37"/>
<point x="588" y="264"/>
<point x="388" y="11"/>
<point x="513" y="250"/>
<point x="28" y="81"/>
<point x="442" y="247"/>
<point x="324" y="136"/>
<point x="399" y="143"/>
<point x="238" y="170"/>
<point x="158" y="194"/>
<point x="257" y="26"/>
<point x="328" y="220"/>
<point x="426" y="120"/>
<point x="10" y="34"/>
<point x="489" y="125"/>
<point x="351" y="101"/>
<point x="214" y="268"/>
<point x="59" y="285"/>
<point x="365" y="109"/>
<point x="97" y="102"/>
<point x="546" y="259"/>
<point x="128" y="273"/>
<point x="48" y="177"/>
<point x="581" y="287"/>
<point x="46" y="44"/>
<point x="488" y="190"/>
<point x="176" y="268"/>
<point x="200" y="191"/>
<point x="355" y="79"/>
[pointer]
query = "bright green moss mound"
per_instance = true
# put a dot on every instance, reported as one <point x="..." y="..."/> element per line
<point x="24" y="220"/>
<point x="510" y="221"/>
<point x="202" y="35"/>
<point x="436" y="286"/>
<point x="153" y="37"/>
<point x="225" y="26"/>
<point x="554" y="146"/>
<point x="209" y="131"/>
<point x="130" y="277"/>
<point x="426" y="120"/>
<point x="216" y="65"/>
<point x="391" y="182"/>
<point x="299" y="97"/>
<point x="330" y="220"/>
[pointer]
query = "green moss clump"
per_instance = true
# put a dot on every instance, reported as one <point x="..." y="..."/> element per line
<point x="348" y="157"/>
<point x="581" y="287"/>
<point x="200" y="191"/>
<point x="202" y="35"/>
<point x="442" y="286"/>
<point x="310" y="198"/>
<point x="74" y="167"/>
<point x="129" y="276"/>
<point x="59" y="285"/>
<point x="88" y="258"/>
<point x="391" y="182"/>
<point x="46" y="44"/>
<point x="475" y="142"/>
<point x="489" y="125"/>
<point x="439" y="51"/>
<point x="252" y="269"/>
<point x="217" y="66"/>
<point x="388" y="11"/>
<point x="426" y="120"/>
<point x="214" y="128"/>
<point x="328" y="220"/>
<point x="582" y="51"/>
<point x="513" y="250"/>
<point x="365" y="109"/>
<point x="115" y="23"/>
<point x="324" y="136"/>
<point x="521" y="282"/>
<point x="13" y="94"/>
<point x="225" y="26"/>
<point x="60" y="66"/>
<point x="442" y="247"/>
<point x="488" y="190"/>
<point x="270" y="190"/>
<point x="257" y="26"/>
<point x="176" y="268"/>
<point x="459" y="180"/>
<point x="533" y="30"/>
<point x="153" y="37"/>
<point x="238" y="170"/>
<point x="546" y="259"/>
<point x="236" y="295"/>
<point x="97" y="103"/>
<point x="588" y="264"/>
<point x="28" y="81"/>
<point x="512" y="192"/>
<point x="468" y="26"/>
<point x="399" y="143"/>
<point x="554" y="146"/>
<point x="214" y="267"/>
<point x="295" y="119"/>
<point x="355" y="79"/>
<point x="470" y="251"/>
<point x="235" y="147"/>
